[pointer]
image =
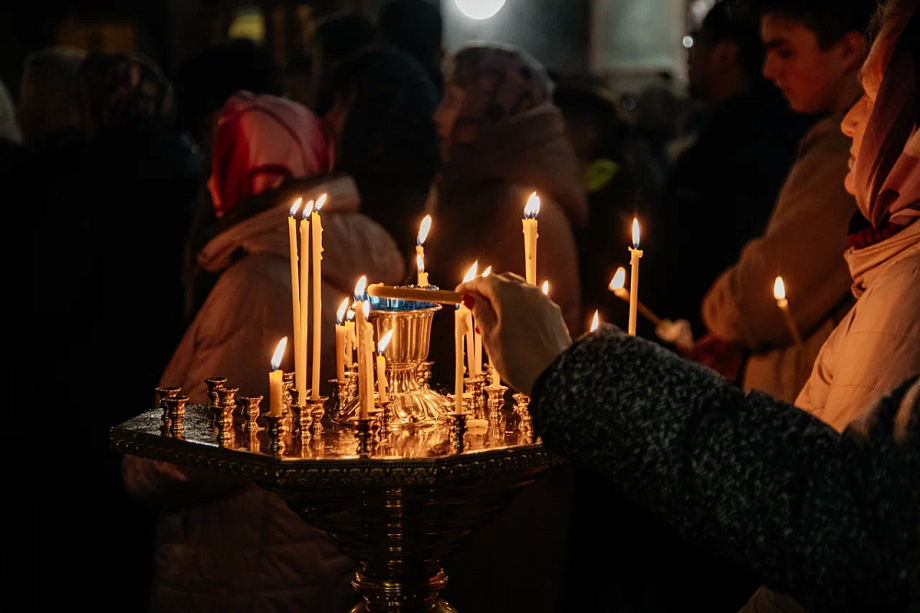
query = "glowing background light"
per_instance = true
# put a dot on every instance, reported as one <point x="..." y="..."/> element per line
<point x="479" y="9"/>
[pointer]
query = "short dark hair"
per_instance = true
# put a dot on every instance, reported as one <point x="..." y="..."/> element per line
<point x="737" y="21"/>
<point x="830" y="20"/>
<point x="341" y="35"/>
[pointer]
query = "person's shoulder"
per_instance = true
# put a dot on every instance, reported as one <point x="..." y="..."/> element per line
<point x="825" y="136"/>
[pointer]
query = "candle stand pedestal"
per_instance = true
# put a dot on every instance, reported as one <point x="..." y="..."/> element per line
<point x="397" y="509"/>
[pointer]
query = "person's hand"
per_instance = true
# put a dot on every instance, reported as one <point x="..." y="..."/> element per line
<point x="522" y="329"/>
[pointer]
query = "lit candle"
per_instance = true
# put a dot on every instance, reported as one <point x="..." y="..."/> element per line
<point x="301" y="367"/>
<point x="531" y="211"/>
<point x="618" y="287"/>
<point x="487" y="272"/>
<point x="472" y="368"/>
<point x="300" y="364"/>
<point x="423" y="230"/>
<point x="365" y="404"/>
<point x="460" y="326"/>
<point x="368" y="355"/>
<point x="596" y="322"/>
<point x="351" y="339"/>
<point x="340" y="334"/>
<point x="382" y="382"/>
<point x="422" y="275"/>
<point x="635" y="255"/>
<point x="276" y="381"/>
<point x="546" y="288"/>
<point x="317" y="224"/>
<point x="779" y="292"/>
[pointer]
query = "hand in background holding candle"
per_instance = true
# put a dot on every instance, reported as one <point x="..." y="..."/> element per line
<point x="523" y="330"/>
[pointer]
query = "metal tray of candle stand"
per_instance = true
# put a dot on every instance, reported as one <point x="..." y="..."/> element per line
<point x="398" y="512"/>
<point x="413" y="403"/>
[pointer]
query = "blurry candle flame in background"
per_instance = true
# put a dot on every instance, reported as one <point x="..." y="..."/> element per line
<point x="279" y="354"/>
<point x="384" y="342"/>
<point x="618" y="282"/>
<point x="546" y="288"/>
<point x="423" y="230"/>
<point x="779" y="289"/>
<point x="596" y="322"/>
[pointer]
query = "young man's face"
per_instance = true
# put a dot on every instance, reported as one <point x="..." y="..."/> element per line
<point x="810" y="77"/>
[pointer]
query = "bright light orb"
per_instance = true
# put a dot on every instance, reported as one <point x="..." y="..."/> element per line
<point x="480" y="9"/>
<point x="688" y="42"/>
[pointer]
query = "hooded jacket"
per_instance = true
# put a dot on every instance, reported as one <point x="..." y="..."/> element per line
<point x="224" y="545"/>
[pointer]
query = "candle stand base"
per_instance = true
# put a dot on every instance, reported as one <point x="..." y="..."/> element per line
<point x="175" y="409"/>
<point x="317" y="408"/>
<point x="276" y="433"/>
<point x="303" y="419"/>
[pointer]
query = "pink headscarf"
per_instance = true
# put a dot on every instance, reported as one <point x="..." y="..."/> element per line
<point x="887" y="169"/>
<point x="259" y="142"/>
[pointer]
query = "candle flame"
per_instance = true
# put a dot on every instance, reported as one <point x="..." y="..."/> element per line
<point x="546" y="288"/>
<point x="596" y="322"/>
<point x="487" y="272"/>
<point x="360" y="288"/>
<point x="296" y="206"/>
<point x="384" y="342"/>
<point x="321" y="201"/>
<point x="471" y="274"/>
<point x="342" y="312"/>
<point x="351" y="312"/>
<point x="308" y="210"/>
<point x="366" y="307"/>
<point x="619" y="280"/>
<point x="279" y="354"/>
<point x="423" y="230"/>
<point x="635" y="233"/>
<point x="779" y="289"/>
<point x="420" y="262"/>
<point x="532" y="210"/>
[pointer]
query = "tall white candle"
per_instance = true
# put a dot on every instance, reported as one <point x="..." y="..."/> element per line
<point x="531" y="211"/>
<point x="460" y="323"/>
<point x="363" y="408"/>
<point x="276" y="381"/>
<point x="301" y="376"/>
<point x="299" y="349"/>
<point x="340" y="334"/>
<point x="635" y="255"/>
<point x="382" y="382"/>
<point x="472" y="368"/>
<point x="317" y="224"/>
<point x="368" y="355"/>
<point x="351" y="337"/>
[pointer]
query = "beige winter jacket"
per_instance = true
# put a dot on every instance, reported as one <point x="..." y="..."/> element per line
<point x="804" y="243"/>
<point x="224" y="545"/>
<point x="877" y="346"/>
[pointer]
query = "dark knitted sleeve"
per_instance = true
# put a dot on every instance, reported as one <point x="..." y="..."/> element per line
<point x="820" y="516"/>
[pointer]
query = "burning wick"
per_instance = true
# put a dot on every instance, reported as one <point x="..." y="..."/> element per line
<point x="779" y="293"/>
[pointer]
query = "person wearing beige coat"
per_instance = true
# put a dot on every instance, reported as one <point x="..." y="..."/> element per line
<point x="804" y="243"/>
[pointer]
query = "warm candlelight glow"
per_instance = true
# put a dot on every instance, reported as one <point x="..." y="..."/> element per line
<point x="423" y="230"/>
<point x="279" y="354"/>
<point x="487" y="272"/>
<point x="471" y="274"/>
<point x="779" y="289"/>
<point x="596" y="322"/>
<point x="635" y="233"/>
<point x="308" y="210"/>
<point x="619" y="280"/>
<point x="360" y="288"/>
<point x="546" y="288"/>
<point x="296" y="206"/>
<point x="384" y="342"/>
<point x="420" y="262"/>
<point x="532" y="210"/>
<point x="340" y="314"/>
<point x="321" y="201"/>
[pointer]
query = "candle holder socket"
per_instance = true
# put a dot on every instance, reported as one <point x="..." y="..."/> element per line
<point x="474" y="387"/>
<point x="162" y="394"/>
<point x="363" y="437"/>
<point x="303" y="418"/>
<point x="277" y="430"/>
<point x="214" y="384"/>
<point x="458" y="429"/>
<point x="287" y="387"/>
<point x="317" y="412"/>
<point x="175" y="408"/>
<point x="250" y="405"/>
<point x="521" y="408"/>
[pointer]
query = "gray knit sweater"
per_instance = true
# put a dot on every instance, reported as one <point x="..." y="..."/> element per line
<point x="831" y="519"/>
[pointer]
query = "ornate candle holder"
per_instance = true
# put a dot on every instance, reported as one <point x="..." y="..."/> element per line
<point x="303" y="419"/>
<point x="175" y="409"/>
<point x="277" y="430"/>
<point x="424" y="374"/>
<point x="214" y="384"/>
<point x="521" y="404"/>
<point x="318" y="411"/>
<point x="287" y="386"/>
<point x="363" y="436"/>
<point x="457" y="431"/>
<point x="250" y="406"/>
<point x="474" y="387"/>
<point x="162" y="394"/>
<point x="413" y="403"/>
<point x="226" y="401"/>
